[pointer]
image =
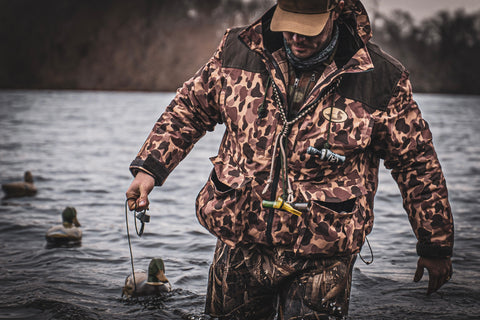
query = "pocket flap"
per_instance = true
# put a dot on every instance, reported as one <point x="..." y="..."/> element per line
<point x="229" y="174"/>
<point x="329" y="192"/>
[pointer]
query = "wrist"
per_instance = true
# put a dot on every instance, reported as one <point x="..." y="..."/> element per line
<point x="145" y="176"/>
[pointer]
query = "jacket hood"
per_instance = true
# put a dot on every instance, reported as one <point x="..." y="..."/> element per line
<point x="355" y="15"/>
<point x="353" y="21"/>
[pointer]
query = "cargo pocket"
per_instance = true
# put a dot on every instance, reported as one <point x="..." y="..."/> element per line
<point x="232" y="291"/>
<point x="329" y="228"/>
<point x="326" y="290"/>
<point x="219" y="208"/>
<point x="225" y="291"/>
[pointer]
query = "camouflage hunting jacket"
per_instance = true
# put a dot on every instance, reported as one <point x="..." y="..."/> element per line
<point x="362" y="106"/>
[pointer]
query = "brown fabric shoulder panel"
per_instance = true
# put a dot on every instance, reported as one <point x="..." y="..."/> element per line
<point x="237" y="55"/>
<point x="374" y="88"/>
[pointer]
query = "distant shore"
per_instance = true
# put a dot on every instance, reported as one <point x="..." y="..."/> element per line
<point x="156" y="46"/>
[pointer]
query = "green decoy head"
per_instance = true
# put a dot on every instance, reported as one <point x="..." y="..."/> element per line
<point x="69" y="216"/>
<point x="156" y="272"/>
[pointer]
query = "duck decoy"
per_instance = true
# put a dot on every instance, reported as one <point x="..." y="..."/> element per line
<point x="151" y="283"/>
<point x="68" y="232"/>
<point x="21" y="188"/>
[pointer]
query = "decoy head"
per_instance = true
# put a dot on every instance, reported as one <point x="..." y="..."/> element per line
<point x="156" y="272"/>
<point x="28" y="177"/>
<point x="69" y="216"/>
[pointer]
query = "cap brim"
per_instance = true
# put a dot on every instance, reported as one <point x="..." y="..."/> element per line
<point x="304" y="24"/>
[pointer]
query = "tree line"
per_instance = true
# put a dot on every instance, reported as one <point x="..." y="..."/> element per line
<point x="149" y="45"/>
<point x="441" y="52"/>
<point x="155" y="45"/>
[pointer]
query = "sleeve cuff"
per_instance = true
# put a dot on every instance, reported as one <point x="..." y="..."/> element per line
<point x="150" y="166"/>
<point x="433" y="250"/>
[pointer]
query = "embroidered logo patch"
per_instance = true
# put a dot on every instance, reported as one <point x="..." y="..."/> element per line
<point x="338" y="115"/>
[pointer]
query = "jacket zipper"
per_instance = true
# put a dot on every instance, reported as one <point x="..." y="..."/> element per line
<point x="294" y="93"/>
<point x="276" y="176"/>
<point x="271" y="212"/>
<point x="295" y="88"/>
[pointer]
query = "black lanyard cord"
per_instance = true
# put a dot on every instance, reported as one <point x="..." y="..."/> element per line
<point x="130" y="243"/>
<point x="143" y="217"/>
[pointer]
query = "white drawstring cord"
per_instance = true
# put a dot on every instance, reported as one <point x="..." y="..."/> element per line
<point x="282" y="136"/>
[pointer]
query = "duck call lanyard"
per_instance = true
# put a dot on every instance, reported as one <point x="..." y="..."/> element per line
<point x="281" y="139"/>
<point x="144" y="218"/>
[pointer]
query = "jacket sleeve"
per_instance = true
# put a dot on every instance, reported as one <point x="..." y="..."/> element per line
<point x="193" y="111"/>
<point x="404" y="140"/>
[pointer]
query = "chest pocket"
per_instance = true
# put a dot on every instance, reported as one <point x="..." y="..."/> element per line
<point x="350" y="127"/>
<point x="346" y="127"/>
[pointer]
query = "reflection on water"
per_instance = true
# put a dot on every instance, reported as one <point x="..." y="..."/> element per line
<point x="78" y="145"/>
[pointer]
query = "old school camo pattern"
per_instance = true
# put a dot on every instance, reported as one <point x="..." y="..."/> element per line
<point x="232" y="87"/>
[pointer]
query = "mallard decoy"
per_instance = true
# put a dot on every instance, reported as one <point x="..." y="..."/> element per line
<point x="68" y="231"/>
<point x="147" y="284"/>
<point x="21" y="188"/>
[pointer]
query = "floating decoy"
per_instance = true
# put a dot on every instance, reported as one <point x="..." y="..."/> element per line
<point x="68" y="232"/>
<point x="151" y="283"/>
<point x="21" y="188"/>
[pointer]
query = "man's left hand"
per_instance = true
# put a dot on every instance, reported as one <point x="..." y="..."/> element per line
<point x="439" y="272"/>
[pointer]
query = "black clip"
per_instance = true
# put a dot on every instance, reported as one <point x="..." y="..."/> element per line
<point x="140" y="215"/>
<point x="144" y="218"/>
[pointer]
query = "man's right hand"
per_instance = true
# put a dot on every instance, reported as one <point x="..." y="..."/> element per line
<point x="140" y="188"/>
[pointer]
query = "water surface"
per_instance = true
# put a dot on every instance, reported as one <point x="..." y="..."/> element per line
<point x="78" y="145"/>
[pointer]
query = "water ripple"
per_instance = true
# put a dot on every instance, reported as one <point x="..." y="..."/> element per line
<point x="78" y="145"/>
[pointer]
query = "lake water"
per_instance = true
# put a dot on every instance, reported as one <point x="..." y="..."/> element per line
<point x="78" y="146"/>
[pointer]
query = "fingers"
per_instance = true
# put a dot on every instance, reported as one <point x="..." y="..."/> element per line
<point x="419" y="271"/>
<point x="447" y="275"/>
<point x="142" y="201"/>
<point x="132" y="203"/>
<point x="439" y="272"/>
<point x="137" y="193"/>
<point x="137" y="201"/>
<point x="434" y="284"/>
<point x="132" y="195"/>
<point x="443" y="277"/>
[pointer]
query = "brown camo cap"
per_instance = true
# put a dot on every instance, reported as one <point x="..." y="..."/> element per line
<point x="305" y="17"/>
